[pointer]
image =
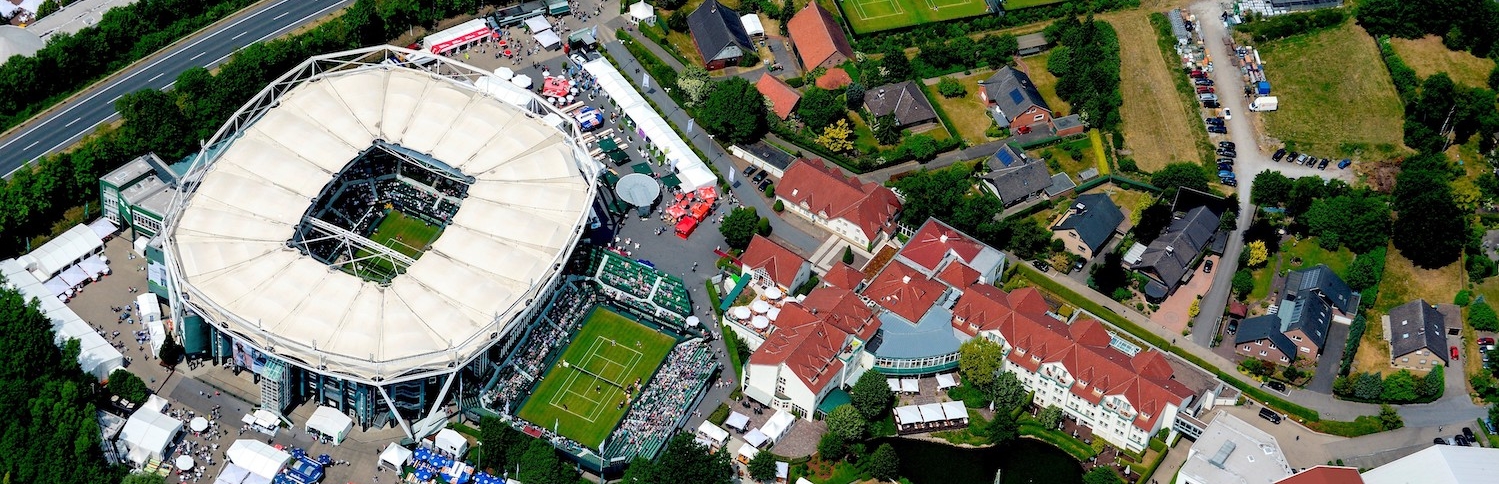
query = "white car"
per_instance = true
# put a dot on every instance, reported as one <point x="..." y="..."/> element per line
<point x="1227" y="115"/>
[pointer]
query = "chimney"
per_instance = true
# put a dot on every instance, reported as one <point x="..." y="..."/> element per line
<point x="905" y="279"/>
<point x="1170" y="250"/>
<point x="882" y="93"/>
<point x="943" y="238"/>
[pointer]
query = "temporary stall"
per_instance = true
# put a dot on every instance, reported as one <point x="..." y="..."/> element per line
<point x="97" y="356"/>
<point x="693" y="172"/>
<point x="641" y="12"/>
<point x="778" y="425"/>
<point x="752" y="25"/>
<point x="103" y="227"/>
<point x="737" y="421"/>
<point x="713" y="435"/>
<point x="147" y="434"/>
<point x="538" y="24"/>
<point x="910" y="385"/>
<point x="395" y="456"/>
<point x="257" y="457"/>
<point x="748" y="452"/>
<point x="756" y="438"/>
<point x="233" y="474"/>
<point x="945" y="381"/>
<point x="156" y="404"/>
<point x="458" y="36"/>
<point x="94" y="266"/>
<point x="149" y="307"/>
<point x="547" y="38"/>
<point x="330" y="422"/>
<point x="265" y="421"/>
<point x="61" y="252"/>
<point x="450" y="441"/>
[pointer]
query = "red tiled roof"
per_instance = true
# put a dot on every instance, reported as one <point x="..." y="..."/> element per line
<point x="779" y="262"/>
<point x="810" y="335"/>
<point x="824" y="189"/>
<point x="935" y="240"/>
<point x="958" y="275"/>
<point x="904" y="291"/>
<point x="834" y="78"/>
<point x="843" y="276"/>
<point x="1237" y="308"/>
<point x="843" y="309"/>
<point x="1324" y="474"/>
<point x="782" y="96"/>
<point x="817" y="36"/>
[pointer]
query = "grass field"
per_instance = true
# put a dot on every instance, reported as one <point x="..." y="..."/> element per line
<point x="968" y="113"/>
<point x="1428" y="56"/>
<point x="406" y="234"/>
<point x="1336" y="97"/>
<point x="1403" y="282"/>
<point x="1046" y="83"/>
<point x="866" y="16"/>
<point x="581" y="394"/>
<point x="1160" y="127"/>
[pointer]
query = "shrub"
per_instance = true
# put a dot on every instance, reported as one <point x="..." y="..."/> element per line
<point x="1482" y="316"/>
<point x="1282" y="26"/>
<point x="1463" y="297"/>
<point x="950" y="87"/>
<point x="796" y="82"/>
<point x="779" y="206"/>
<point x="763" y="227"/>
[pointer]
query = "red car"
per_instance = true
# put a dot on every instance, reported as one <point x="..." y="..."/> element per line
<point x="1454" y="352"/>
<point x="1485" y="341"/>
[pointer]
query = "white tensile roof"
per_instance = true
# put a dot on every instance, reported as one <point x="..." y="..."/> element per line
<point x="147" y="434"/>
<point x="752" y="24"/>
<point x="257" y="457"/>
<point x="528" y="200"/>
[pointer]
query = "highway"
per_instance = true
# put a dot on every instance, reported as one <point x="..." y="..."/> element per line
<point x="65" y="124"/>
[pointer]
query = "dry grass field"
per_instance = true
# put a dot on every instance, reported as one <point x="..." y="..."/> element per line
<point x="1335" y="96"/>
<point x="1402" y="283"/>
<point x="968" y="113"/>
<point x="1428" y="56"/>
<point x="1159" y="128"/>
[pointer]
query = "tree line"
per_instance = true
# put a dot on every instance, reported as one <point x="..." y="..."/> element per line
<point x="1286" y="25"/>
<point x="1086" y="63"/>
<point x="1471" y="25"/>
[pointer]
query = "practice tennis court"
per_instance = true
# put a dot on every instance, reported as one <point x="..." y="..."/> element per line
<point x="867" y="16"/>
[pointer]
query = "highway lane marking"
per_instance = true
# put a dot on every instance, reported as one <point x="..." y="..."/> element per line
<point x="117" y="98"/>
<point x="127" y="77"/>
<point x="241" y="34"/>
<point x="155" y="77"/>
<point x="70" y="123"/>
<point x="200" y="54"/>
<point x="33" y="143"/>
<point x="278" y="17"/>
<point x="283" y="30"/>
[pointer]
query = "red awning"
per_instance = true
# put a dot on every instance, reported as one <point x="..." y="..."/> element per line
<point x="686" y="226"/>
<point x="465" y="38"/>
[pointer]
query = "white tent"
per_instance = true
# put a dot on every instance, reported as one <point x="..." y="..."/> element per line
<point x="802" y="480"/>
<point x="713" y="432"/>
<point x="395" y="456"/>
<point x="946" y="380"/>
<point x="893" y="383"/>
<point x="265" y="421"/>
<point x="94" y="266"/>
<point x="752" y="24"/>
<point x="691" y="169"/>
<point x="504" y="73"/>
<point x="98" y="357"/>
<point x="783" y="471"/>
<point x="457" y="36"/>
<point x="330" y="422"/>
<point x="156" y="404"/>
<point x="737" y="420"/>
<point x="932" y="412"/>
<point x="641" y="12"/>
<point x="756" y="438"/>
<point x="909" y="385"/>
<point x="524" y="81"/>
<point x="103" y="227"/>
<point x="547" y="38"/>
<point x="59" y="253"/>
<point x="748" y="452"/>
<point x="147" y="434"/>
<point x="778" y="425"/>
<point x="538" y="24"/>
<point x="955" y="411"/>
<point x="149" y="306"/>
<point x="450" y="441"/>
<point x="257" y="457"/>
<point x="909" y="414"/>
<point x="232" y="474"/>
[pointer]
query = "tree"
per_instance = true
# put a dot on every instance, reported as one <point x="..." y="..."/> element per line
<point x="684" y="460"/>
<point x="1304" y="191"/>
<point x="1359" y="220"/>
<point x="540" y="465"/>
<point x="921" y="147"/>
<point x="1029" y="239"/>
<point x="739" y="227"/>
<point x="1109" y="276"/>
<point x="1003" y="428"/>
<point x="831" y="447"/>
<point x="1389" y="418"/>
<point x="1243" y="283"/>
<point x="848" y="258"/>
<point x="884" y="464"/>
<point x="1177" y="175"/>
<point x="932" y="193"/>
<point x="895" y="67"/>
<point x="978" y="360"/>
<point x="1466" y="195"/>
<point x="503" y="445"/>
<point x="171" y="351"/>
<point x="763" y="467"/>
<point x="1258" y="254"/>
<point x="1368" y="386"/>
<point x="1050" y="417"/>
<point x="853" y="96"/>
<point x="1367" y="269"/>
<point x="950" y="87"/>
<point x="144" y="477"/>
<point x="820" y="108"/>
<point x="837" y="137"/>
<point x="694" y="84"/>
<point x="846" y="421"/>
<point x="128" y="386"/>
<point x="1433" y="383"/>
<point x="735" y="111"/>
<point x="1482" y="317"/>
<point x="1271" y="188"/>
<point x="677" y="21"/>
<point x="1007" y="391"/>
<point x="887" y="129"/>
<point x="1291" y="373"/>
<point x="870" y="395"/>
<point x="1102" y="475"/>
<point x="154" y="122"/>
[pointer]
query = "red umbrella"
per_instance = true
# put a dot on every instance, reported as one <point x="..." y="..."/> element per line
<point x="504" y="43"/>
<point x="507" y="52"/>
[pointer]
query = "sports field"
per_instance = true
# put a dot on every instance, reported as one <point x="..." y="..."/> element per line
<point x="581" y="394"/>
<point x="867" y="16"/>
<point x="406" y="234"/>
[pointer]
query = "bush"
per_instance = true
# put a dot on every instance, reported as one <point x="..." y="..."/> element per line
<point x="779" y="206"/>
<point x="1282" y="26"/>
<point x="763" y="227"/>
<point x="770" y="191"/>
<point x="1463" y="297"/>
<point x="796" y="82"/>
<point x="1482" y="317"/>
<point x="950" y="87"/>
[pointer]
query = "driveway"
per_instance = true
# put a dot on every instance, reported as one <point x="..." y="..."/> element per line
<point x="1175" y="310"/>
<point x="1332" y="354"/>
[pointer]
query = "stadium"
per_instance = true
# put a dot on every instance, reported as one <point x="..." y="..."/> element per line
<point x="388" y="239"/>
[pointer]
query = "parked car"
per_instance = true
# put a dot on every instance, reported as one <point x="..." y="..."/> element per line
<point x="1204" y="89"/>
<point x="1197" y="74"/>
<point x="1280" y="153"/>
<point x="749" y="170"/>
<point x="1291" y="157"/>
<point x="1076" y="266"/>
<point x="1301" y="160"/>
<point x="1468" y="432"/>
<point x="1439" y="441"/>
<point x="1041" y="265"/>
<point x="1460" y="440"/>
<point x="1233" y="326"/>
<point x="1486" y="342"/>
<point x="1217" y="121"/>
<point x="1227" y="144"/>
<point x="1207" y="267"/>
<point x="1229" y="181"/>
<point x="1228" y="114"/>
<point x="1454" y="352"/>
<point x="1277" y="386"/>
<point x="1227" y="152"/>
<point x="1225" y="166"/>
<point x="1211" y="104"/>
<point x="1344" y="164"/>
<point x="1217" y="129"/>
<point x="1225" y="174"/>
<point x="1226" y="160"/>
<point x="1208" y="97"/>
<point x="1270" y="415"/>
<point x="1322" y="165"/>
<point x="1203" y="81"/>
<point x="759" y="177"/>
<point x="763" y="184"/>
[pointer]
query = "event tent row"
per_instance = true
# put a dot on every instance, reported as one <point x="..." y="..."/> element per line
<point x="693" y="172"/>
<point x="773" y="429"/>
<point x="146" y="436"/>
<point x="96" y="355"/>
<point x="257" y="457"/>
<point x="930" y="416"/>
<point x="330" y="422"/>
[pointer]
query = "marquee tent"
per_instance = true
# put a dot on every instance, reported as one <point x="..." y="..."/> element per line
<point x="713" y="433"/>
<point x="538" y="24"/>
<point x="74" y="276"/>
<point x="156" y="404"/>
<point x="55" y="256"/>
<point x="778" y="425"/>
<point x="693" y="172"/>
<point x="233" y="474"/>
<point x="737" y="420"/>
<point x="103" y="227"/>
<point x="149" y="306"/>
<point x="504" y="73"/>
<point x="94" y="266"/>
<point x="642" y="12"/>
<point x="257" y="457"/>
<point x="147" y="434"/>
<point x="946" y="380"/>
<point x="748" y="452"/>
<point x="330" y="422"/>
<point x="450" y="441"/>
<point x="524" y="81"/>
<point x="395" y="456"/>
<point x="97" y="356"/>
<point x="57" y="287"/>
<point x="458" y="36"/>
<point x="756" y="438"/>
<point x="547" y="38"/>
<point x="752" y="25"/>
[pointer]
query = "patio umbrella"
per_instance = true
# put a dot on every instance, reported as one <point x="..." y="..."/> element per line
<point x="185" y="462"/>
<point x="504" y="73"/>
<point x="638" y="189"/>
<point x="692" y="320"/>
<point x="608" y="144"/>
<point x="198" y="424"/>
<point x="760" y="306"/>
<point x="773" y="293"/>
<point x="740" y="312"/>
<point x="641" y="168"/>
<point x="760" y="322"/>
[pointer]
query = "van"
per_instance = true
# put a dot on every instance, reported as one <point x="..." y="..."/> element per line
<point x="1268" y="414"/>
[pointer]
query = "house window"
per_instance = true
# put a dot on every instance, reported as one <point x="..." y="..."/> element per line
<point x="1262" y="353"/>
<point x="1305" y="349"/>
<point x="1284" y="359"/>
<point x="1272" y="346"/>
<point x="1407" y="360"/>
<point x="1039" y="117"/>
<point x="1246" y="347"/>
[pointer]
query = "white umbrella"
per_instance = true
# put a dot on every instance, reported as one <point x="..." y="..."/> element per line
<point x="760" y="322"/>
<point x="740" y="312"/>
<point x="773" y="293"/>
<point x="760" y="306"/>
<point x="692" y="320"/>
<point x="524" y="81"/>
<point x="504" y="73"/>
<point x="198" y="424"/>
<point x="185" y="462"/>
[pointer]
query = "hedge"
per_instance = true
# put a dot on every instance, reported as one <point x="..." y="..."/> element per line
<point x="1282" y="26"/>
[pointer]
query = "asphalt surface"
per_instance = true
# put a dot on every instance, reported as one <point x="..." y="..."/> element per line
<point x="65" y="124"/>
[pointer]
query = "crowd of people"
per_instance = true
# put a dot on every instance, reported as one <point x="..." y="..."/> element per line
<point x="662" y="403"/>
<point x="566" y="312"/>
<point x="202" y="446"/>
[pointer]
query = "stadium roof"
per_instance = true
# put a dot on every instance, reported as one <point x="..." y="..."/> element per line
<point x="520" y="220"/>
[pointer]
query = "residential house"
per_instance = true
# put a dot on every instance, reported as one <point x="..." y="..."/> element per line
<point x="1232" y="450"/>
<point x="1169" y="259"/>
<point x="1089" y="224"/>
<point x="905" y="101"/>
<point x="1417" y="333"/>
<point x="1014" y="177"/>
<point x="766" y="260"/>
<point x="1312" y="300"/>
<point x="718" y="34"/>
<point x="861" y="213"/>
<point x="845" y="276"/>
<point x="782" y="96"/>
<point x="1015" y="102"/>
<point x="819" y="40"/>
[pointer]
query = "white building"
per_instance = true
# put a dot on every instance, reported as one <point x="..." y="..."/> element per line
<point x="1233" y="451"/>
<point x="861" y="213"/>
<point x="1440" y="464"/>
<point x="817" y="346"/>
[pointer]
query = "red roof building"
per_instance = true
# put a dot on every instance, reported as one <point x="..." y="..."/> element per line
<point x="862" y="213"/>
<point x="935" y="241"/>
<point x="843" y="276"/>
<point x="1324" y="474"/>
<point x="782" y="266"/>
<point x="834" y="78"/>
<point x="904" y="291"/>
<point x="818" y="38"/>
<point x="813" y="341"/>
<point x="782" y="96"/>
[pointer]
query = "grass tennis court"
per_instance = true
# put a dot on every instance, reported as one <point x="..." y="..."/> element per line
<point x="406" y="234"/>
<point x="581" y="393"/>
<point x="866" y="16"/>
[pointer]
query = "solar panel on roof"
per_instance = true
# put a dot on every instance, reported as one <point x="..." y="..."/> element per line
<point x="1016" y="96"/>
<point x="1004" y="157"/>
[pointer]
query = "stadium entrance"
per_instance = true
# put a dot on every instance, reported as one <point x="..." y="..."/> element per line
<point x="381" y="212"/>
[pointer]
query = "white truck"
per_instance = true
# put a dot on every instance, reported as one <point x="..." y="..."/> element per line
<point x="1267" y="103"/>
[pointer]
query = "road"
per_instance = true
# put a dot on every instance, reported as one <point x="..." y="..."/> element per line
<point x="66" y="123"/>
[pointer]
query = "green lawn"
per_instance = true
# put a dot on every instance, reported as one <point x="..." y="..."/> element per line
<point x="867" y="16"/>
<point x="407" y="235"/>
<point x="1019" y="4"/>
<point x="580" y="396"/>
<point x="1311" y="254"/>
<point x="1346" y="110"/>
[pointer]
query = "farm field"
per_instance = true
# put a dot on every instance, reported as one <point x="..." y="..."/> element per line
<point x="1428" y="56"/>
<point x="580" y="395"/>
<point x="866" y="16"/>
<point x="1351" y="110"/>
<point x="1159" y="127"/>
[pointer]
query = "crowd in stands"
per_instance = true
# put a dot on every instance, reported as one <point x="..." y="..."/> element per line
<point x="379" y="180"/>
<point x="567" y="310"/>
<point x="660" y="405"/>
<point x="650" y="291"/>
